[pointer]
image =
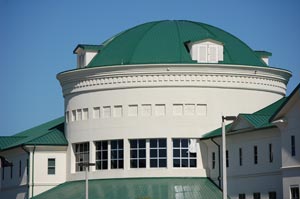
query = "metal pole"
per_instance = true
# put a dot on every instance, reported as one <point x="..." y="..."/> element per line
<point x="224" y="159"/>
<point x="86" y="183"/>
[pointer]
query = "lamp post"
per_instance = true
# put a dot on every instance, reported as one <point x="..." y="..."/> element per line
<point x="224" y="118"/>
<point x="86" y="165"/>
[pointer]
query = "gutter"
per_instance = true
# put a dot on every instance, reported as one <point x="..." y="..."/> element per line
<point x="32" y="179"/>
<point x="219" y="157"/>
<point x="28" y="167"/>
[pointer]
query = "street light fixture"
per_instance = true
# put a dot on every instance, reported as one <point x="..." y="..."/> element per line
<point x="86" y="165"/>
<point x="224" y="118"/>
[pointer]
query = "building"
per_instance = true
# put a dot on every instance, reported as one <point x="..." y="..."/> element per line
<point x="140" y="107"/>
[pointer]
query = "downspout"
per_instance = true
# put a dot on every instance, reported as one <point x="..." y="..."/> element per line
<point x="32" y="179"/>
<point x="28" y="166"/>
<point x="219" y="151"/>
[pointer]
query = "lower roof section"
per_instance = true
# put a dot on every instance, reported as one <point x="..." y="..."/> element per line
<point x="137" y="188"/>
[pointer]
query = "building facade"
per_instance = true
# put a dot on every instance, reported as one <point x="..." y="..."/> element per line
<point x="140" y="105"/>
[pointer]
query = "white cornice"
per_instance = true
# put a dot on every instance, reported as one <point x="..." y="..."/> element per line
<point x="172" y="75"/>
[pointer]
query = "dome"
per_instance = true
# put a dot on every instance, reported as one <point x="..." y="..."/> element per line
<point x="165" y="42"/>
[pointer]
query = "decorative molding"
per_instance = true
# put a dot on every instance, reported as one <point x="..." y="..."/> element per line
<point x="134" y="80"/>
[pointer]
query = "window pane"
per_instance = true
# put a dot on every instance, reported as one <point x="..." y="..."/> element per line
<point x="176" y="162"/>
<point x="184" y="163"/>
<point x="162" y="153"/>
<point x="133" y="154"/>
<point x="176" y="152"/>
<point x="133" y="144"/>
<point x="133" y="164"/>
<point x="184" y="143"/>
<point x="142" y="153"/>
<point x="162" y="143"/>
<point x="153" y="153"/>
<point x="193" y="163"/>
<point x="153" y="143"/>
<point x="153" y="163"/>
<point x="142" y="163"/>
<point x="176" y="142"/>
<point x="184" y="152"/>
<point x="162" y="163"/>
<point x="142" y="143"/>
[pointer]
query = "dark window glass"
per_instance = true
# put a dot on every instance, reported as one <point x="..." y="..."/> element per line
<point x="182" y="157"/>
<point x="293" y="146"/>
<point x="227" y="159"/>
<point x="82" y="153"/>
<point x="213" y="160"/>
<point x="51" y="166"/>
<point x="271" y="153"/>
<point x="116" y="152"/>
<point x="138" y="153"/>
<point x="294" y="192"/>
<point x="241" y="156"/>
<point x="242" y="196"/>
<point x="255" y="155"/>
<point x="101" y="155"/>
<point x="256" y="195"/>
<point x="272" y="195"/>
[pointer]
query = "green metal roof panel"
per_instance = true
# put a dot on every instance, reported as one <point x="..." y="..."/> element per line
<point x="164" y="42"/>
<point x="258" y="119"/>
<point x="137" y="188"/>
<point x="49" y="133"/>
<point x="216" y="132"/>
<point x="53" y="137"/>
<point x="272" y="108"/>
<point x="261" y="53"/>
<point x="8" y="140"/>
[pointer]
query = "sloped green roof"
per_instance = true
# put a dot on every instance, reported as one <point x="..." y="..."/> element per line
<point x="137" y="188"/>
<point x="165" y="42"/>
<point x="49" y="133"/>
<point x="258" y="119"/>
<point x="262" y="53"/>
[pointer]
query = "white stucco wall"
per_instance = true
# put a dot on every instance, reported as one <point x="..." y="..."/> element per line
<point x="184" y="102"/>
<point x="290" y="164"/>
<point x="263" y="177"/>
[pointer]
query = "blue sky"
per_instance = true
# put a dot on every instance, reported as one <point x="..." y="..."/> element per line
<point x="37" y="39"/>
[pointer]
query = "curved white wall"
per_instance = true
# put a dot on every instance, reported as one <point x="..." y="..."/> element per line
<point x="184" y="101"/>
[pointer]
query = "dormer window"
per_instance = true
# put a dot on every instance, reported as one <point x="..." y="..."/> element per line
<point x="206" y="51"/>
<point x="85" y="54"/>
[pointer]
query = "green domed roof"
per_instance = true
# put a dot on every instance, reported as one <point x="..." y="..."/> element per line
<point x="163" y="42"/>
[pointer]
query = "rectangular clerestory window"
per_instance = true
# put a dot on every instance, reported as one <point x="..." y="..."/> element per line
<point x="158" y="153"/>
<point x="51" y="166"/>
<point x="213" y="164"/>
<point x="241" y="156"/>
<point x="227" y="158"/>
<point x="138" y="153"/>
<point x="117" y="154"/>
<point x="182" y="157"/>
<point x="101" y="155"/>
<point x="82" y="153"/>
<point x="255" y="150"/>
<point x="270" y="153"/>
<point x="293" y="146"/>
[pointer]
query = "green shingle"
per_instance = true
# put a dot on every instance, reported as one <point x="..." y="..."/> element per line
<point x="164" y="42"/>
<point x="49" y="133"/>
<point x="137" y="188"/>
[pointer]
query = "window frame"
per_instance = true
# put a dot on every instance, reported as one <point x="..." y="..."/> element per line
<point x="291" y="192"/>
<point x="240" y="156"/>
<point x="293" y="145"/>
<point x="84" y="153"/>
<point x="119" y="152"/>
<point x="161" y="159"/>
<point x="51" y="167"/>
<point x="101" y="150"/>
<point x="191" y="160"/>
<point x="255" y="154"/>
<point x="138" y="157"/>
